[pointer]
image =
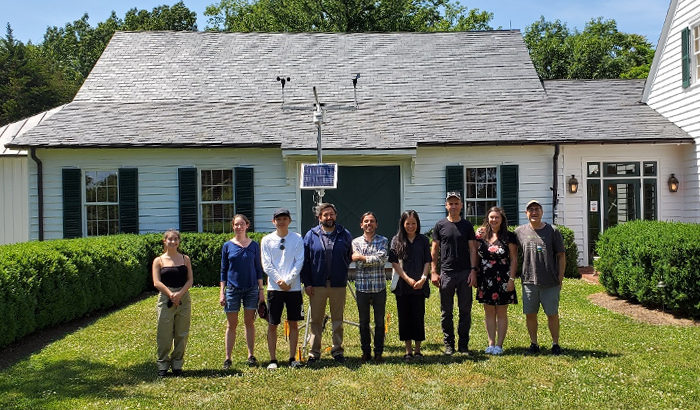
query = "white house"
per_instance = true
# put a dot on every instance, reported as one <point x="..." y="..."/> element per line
<point x="673" y="89"/>
<point x="14" y="182"/>
<point x="175" y="129"/>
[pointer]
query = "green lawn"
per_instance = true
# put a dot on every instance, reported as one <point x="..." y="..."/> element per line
<point x="609" y="361"/>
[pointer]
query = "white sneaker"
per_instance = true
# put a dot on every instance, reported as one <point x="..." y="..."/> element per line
<point x="489" y="350"/>
<point x="497" y="350"/>
<point x="272" y="366"/>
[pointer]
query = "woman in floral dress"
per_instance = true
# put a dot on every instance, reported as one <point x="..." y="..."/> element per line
<point x="498" y="252"/>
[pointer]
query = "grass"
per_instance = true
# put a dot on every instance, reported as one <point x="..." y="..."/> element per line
<point x="609" y="362"/>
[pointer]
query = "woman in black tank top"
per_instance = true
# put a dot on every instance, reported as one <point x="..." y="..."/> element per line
<point x="172" y="276"/>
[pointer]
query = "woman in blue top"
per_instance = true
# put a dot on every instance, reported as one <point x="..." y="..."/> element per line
<point x="241" y="283"/>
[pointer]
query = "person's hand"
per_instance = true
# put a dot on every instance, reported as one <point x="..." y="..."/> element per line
<point x="435" y="278"/>
<point x="510" y="286"/>
<point x="356" y="257"/>
<point x="283" y="285"/>
<point x="471" y="281"/>
<point x="175" y="298"/>
<point x="222" y="299"/>
<point x="261" y="295"/>
<point x="419" y="284"/>
<point x="309" y="290"/>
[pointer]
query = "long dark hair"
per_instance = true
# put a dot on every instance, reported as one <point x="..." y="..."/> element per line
<point x="402" y="236"/>
<point x="486" y="227"/>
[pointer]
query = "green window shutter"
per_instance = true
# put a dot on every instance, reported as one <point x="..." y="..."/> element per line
<point x="509" y="193"/>
<point x="685" y="56"/>
<point x="187" y="183"/>
<point x="454" y="179"/>
<point x="72" y="203"/>
<point x="245" y="190"/>
<point x="129" y="200"/>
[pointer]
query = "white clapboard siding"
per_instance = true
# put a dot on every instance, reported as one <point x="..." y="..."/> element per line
<point x="671" y="158"/>
<point x="666" y="95"/>
<point x="427" y="194"/>
<point x="14" y="199"/>
<point x="158" y="186"/>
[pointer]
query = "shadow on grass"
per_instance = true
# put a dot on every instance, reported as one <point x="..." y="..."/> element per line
<point x="81" y="379"/>
<point x="38" y="340"/>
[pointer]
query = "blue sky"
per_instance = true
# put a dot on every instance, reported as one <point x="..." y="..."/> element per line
<point x="30" y="18"/>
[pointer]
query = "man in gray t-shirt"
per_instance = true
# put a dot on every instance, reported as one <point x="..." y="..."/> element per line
<point x="544" y="261"/>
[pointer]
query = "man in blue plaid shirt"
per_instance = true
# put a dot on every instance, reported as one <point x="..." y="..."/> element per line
<point x="370" y="255"/>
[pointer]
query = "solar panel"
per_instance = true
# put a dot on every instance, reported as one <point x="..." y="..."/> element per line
<point x="319" y="176"/>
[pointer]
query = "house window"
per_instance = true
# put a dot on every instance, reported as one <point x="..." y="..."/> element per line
<point x="217" y="200"/>
<point x="102" y="202"/>
<point x="695" y="61"/>
<point x="481" y="192"/>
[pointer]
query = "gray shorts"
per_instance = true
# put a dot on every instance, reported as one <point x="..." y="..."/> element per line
<point x="534" y="296"/>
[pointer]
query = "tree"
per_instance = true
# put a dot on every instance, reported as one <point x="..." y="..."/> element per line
<point x="599" y="51"/>
<point x="344" y="16"/>
<point x="29" y="83"/>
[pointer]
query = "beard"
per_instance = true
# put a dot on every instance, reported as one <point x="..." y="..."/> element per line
<point x="328" y="223"/>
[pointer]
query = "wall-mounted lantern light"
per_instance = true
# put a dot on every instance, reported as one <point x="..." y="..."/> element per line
<point x="673" y="183"/>
<point x="572" y="184"/>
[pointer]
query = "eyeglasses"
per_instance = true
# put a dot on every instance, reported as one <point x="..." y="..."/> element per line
<point x="282" y="244"/>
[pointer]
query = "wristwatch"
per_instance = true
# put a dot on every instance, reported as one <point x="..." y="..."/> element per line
<point x="476" y="268"/>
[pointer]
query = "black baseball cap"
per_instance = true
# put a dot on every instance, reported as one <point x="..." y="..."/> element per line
<point x="281" y="212"/>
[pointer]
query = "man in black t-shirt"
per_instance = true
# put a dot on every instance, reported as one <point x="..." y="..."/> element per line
<point x="454" y="244"/>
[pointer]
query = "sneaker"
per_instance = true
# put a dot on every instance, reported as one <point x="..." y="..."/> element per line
<point x="295" y="364"/>
<point x="497" y="350"/>
<point x="365" y="358"/>
<point x="272" y="365"/>
<point x="378" y="359"/>
<point x="532" y="350"/>
<point x="463" y="350"/>
<point x="177" y="372"/>
<point x="489" y="350"/>
<point x="556" y="349"/>
<point x="339" y="358"/>
<point x="227" y="364"/>
<point x="408" y="357"/>
<point x="162" y="373"/>
<point x="449" y="350"/>
<point x="252" y="361"/>
<point x="311" y="360"/>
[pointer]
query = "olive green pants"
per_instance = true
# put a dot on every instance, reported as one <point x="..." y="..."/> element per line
<point x="173" y="330"/>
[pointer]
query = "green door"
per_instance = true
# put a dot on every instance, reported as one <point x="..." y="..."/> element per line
<point x="360" y="189"/>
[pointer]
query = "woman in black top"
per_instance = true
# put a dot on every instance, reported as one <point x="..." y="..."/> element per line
<point x="172" y="276"/>
<point x="410" y="257"/>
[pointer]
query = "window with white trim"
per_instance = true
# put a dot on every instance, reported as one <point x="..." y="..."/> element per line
<point x="216" y="200"/>
<point x="102" y="202"/>
<point x="695" y="61"/>
<point x="481" y="192"/>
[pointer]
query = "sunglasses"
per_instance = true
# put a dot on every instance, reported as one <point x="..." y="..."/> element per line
<point x="282" y="244"/>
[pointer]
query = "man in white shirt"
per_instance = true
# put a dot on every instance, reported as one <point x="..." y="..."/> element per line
<point x="282" y="260"/>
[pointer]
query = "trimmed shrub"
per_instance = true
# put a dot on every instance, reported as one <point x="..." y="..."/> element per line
<point x="637" y="257"/>
<point x="47" y="283"/>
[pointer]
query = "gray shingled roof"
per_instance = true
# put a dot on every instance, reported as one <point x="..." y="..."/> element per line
<point x="220" y="89"/>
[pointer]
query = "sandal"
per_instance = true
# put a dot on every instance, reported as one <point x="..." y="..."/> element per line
<point x="407" y="357"/>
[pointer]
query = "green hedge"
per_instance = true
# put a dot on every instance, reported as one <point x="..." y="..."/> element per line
<point x="47" y="283"/>
<point x="635" y="256"/>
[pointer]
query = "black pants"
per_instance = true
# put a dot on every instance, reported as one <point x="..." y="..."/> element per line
<point x="451" y="284"/>
<point x="377" y="301"/>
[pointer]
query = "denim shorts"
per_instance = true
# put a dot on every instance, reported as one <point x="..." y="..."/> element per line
<point x="235" y="296"/>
